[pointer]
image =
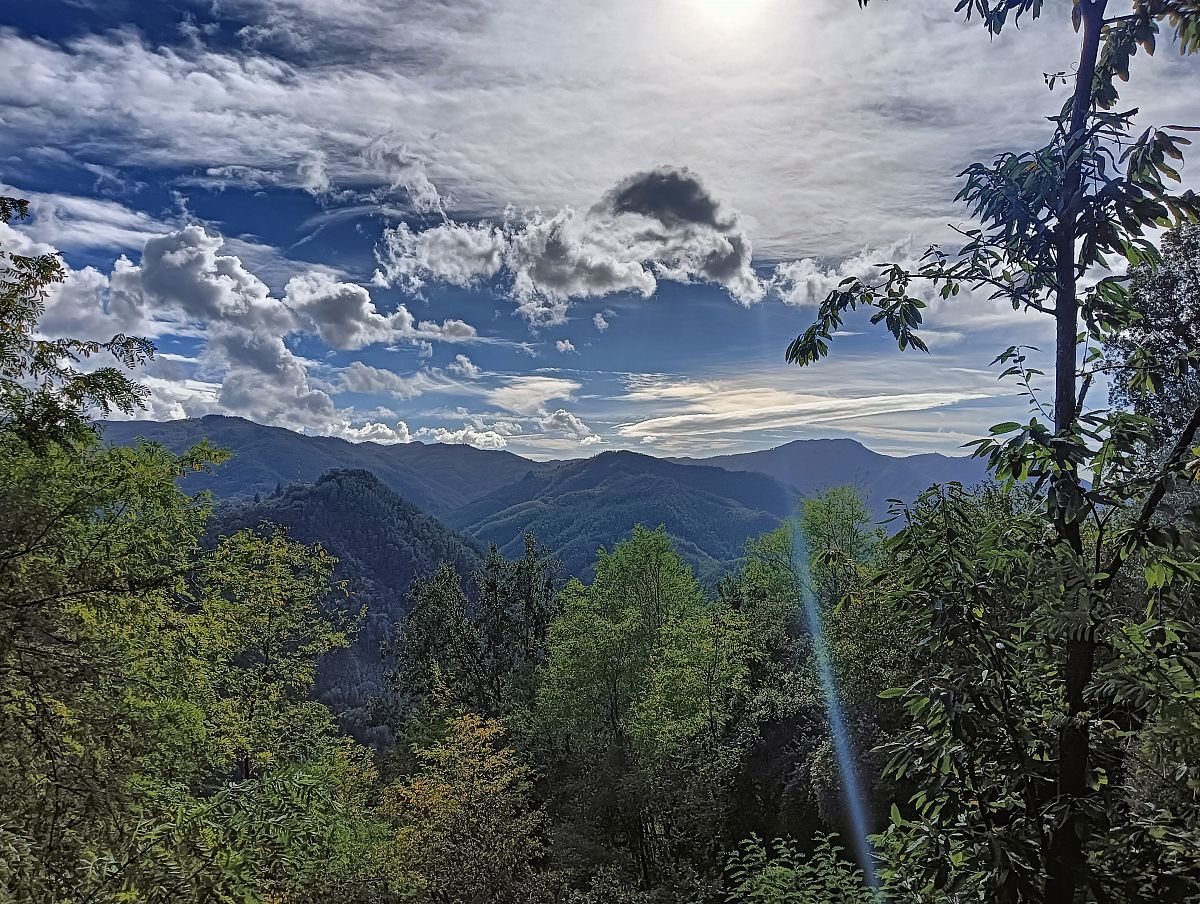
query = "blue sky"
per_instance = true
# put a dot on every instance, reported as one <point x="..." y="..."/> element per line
<point x="553" y="227"/>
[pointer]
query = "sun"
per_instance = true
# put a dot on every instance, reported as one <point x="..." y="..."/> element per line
<point x="728" y="13"/>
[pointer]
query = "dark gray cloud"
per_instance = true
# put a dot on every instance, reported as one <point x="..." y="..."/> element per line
<point x="674" y="196"/>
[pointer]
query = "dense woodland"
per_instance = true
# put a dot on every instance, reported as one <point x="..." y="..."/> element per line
<point x="1006" y="681"/>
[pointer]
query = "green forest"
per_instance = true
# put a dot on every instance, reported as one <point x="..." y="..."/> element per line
<point x="995" y="697"/>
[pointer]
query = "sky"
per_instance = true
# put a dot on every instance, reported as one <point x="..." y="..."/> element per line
<point x="556" y="228"/>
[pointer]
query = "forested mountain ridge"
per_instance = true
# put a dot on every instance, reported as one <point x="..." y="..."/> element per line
<point x="710" y="506"/>
<point x="583" y="505"/>
<point x="811" y="466"/>
<point x="436" y="478"/>
<point x="381" y="542"/>
<point x="441" y="478"/>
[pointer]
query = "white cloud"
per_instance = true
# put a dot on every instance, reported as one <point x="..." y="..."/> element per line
<point x="77" y="223"/>
<point x="184" y="285"/>
<point x="19" y="241"/>
<point x="342" y="314"/>
<point x="376" y="432"/>
<point x="359" y="377"/>
<point x="174" y="396"/>
<point x="805" y="283"/>
<point x="675" y="410"/>
<point x="727" y="411"/>
<point x="463" y="366"/>
<point x="529" y="394"/>
<point x="446" y="331"/>
<point x="657" y="224"/>
<point x="572" y="425"/>
<point x="467" y="435"/>
<point x="311" y="174"/>
<point x="370" y="104"/>
<point x="404" y="171"/>
<point x="564" y="345"/>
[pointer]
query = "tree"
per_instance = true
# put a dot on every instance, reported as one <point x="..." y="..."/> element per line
<point x="840" y="542"/>
<point x="265" y="622"/>
<point x="789" y="781"/>
<point x="606" y="644"/>
<point x="464" y="826"/>
<point x="516" y="603"/>
<point x="436" y="645"/>
<point x="780" y="873"/>
<point x="1051" y="220"/>
<point x="1155" y="360"/>
<point x="94" y="548"/>
<point x="485" y="654"/>
<point x="641" y="679"/>
<point x="119" y="641"/>
<point x="43" y="396"/>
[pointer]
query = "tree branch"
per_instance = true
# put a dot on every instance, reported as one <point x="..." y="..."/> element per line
<point x="1150" y="504"/>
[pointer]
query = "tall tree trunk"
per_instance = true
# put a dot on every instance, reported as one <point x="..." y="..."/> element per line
<point x="1065" y="863"/>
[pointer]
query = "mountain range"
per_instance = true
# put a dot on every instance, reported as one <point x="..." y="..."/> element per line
<point x="811" y="466"/>
<point x="710" y="506"/>
<point x="436" y="478"/>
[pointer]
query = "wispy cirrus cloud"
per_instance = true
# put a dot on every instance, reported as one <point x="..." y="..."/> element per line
<point x="681" y="413"/>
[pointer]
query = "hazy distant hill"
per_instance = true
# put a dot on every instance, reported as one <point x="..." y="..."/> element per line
<point x="810" y="466"/>
<point x="710" y="505"/>
<point x="382" y="542"/>
<point x="437" y="478"/>
<point x="582" y="505"/>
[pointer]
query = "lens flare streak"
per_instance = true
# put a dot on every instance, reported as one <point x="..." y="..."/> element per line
<point x="843" y="743"/>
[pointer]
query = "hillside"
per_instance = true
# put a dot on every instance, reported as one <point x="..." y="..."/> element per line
<point x="582" y="505"/>
<point x="436" y="478"/>
<point x="710" y="505"/>
<point x="810" y="466"/>
<point x="382" y="542"/>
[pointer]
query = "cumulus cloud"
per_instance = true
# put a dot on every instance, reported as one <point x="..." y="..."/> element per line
<point x="284" y="395"/>
<point x="344" y="316"/>
<point x="467" y="435"/>
<point x="184" y="274"/>
<point x="455" y="253"/>
<point x="186" y="285"/>
<point x="570" y="424"/>
<point x="446" y="331"/>
<point x="364" y="378"/>
<point x="658" y="224"/>
<point x="376" y="432"/>
<point x="600" y="320"/>
<point x="564" y="345"/>
<point x="463" y="366"/>
<point x="184" y="271"/>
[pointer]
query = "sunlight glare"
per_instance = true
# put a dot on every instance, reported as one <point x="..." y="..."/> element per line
<point x="726" y="14"/>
